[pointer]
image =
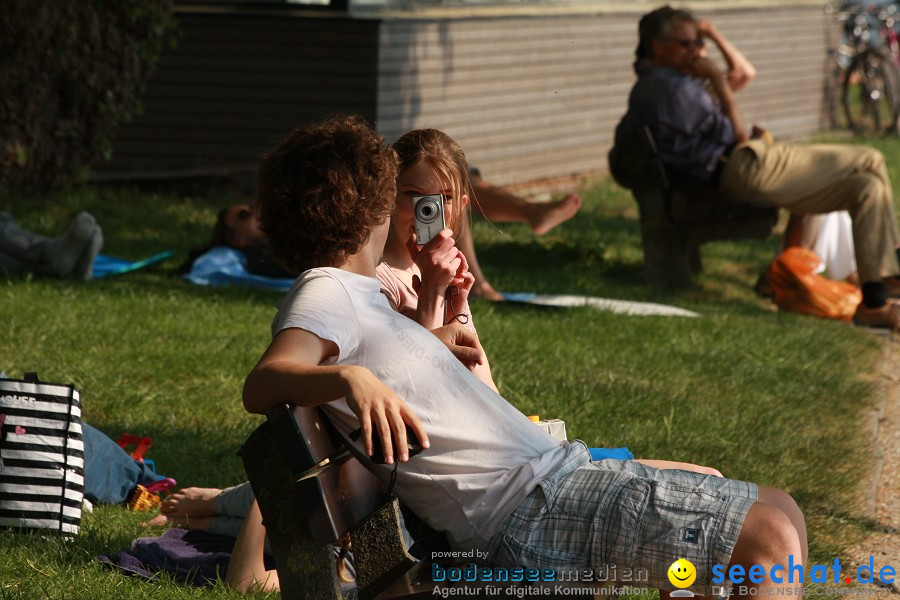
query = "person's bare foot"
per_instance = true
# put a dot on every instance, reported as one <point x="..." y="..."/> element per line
<point x="201" y="523"/>
<point x="550" y="214"/>
<point x="158" y="521"/>
<point x="192" y="503"/>
<point x="483" y="289"/>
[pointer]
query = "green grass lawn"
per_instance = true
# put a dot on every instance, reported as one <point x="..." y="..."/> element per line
<point x="774" y="398"/>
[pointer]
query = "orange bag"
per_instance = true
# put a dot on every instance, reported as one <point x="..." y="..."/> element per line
<point x="798" y="289"/>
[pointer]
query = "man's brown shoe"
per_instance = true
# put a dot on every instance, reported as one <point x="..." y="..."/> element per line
<point x="886" y="316"/>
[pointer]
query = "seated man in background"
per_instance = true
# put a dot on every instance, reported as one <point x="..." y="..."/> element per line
<point x="486" y="476"/>
<point x="704" y="141"/>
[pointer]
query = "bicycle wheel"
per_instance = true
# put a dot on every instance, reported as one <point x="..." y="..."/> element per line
<point x="870" y="94"/>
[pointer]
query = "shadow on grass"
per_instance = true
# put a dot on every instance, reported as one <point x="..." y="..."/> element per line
<point x="195" y="454"/>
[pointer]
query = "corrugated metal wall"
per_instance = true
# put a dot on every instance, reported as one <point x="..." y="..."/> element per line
<point x="528" y="97"/>
<point x="539" y="97"/>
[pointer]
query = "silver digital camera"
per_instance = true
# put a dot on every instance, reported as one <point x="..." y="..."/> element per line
<point x="428" y="212"/>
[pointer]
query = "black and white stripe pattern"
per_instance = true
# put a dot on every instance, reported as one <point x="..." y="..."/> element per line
<point x="41" y="456"/>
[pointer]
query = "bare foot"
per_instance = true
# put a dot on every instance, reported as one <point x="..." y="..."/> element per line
<point x="157" y="521"/>
<point x="550" y="214"/>
<point x="180" y="522"/>
<point x="483" y="289"/>
<point x="190" y="503"/>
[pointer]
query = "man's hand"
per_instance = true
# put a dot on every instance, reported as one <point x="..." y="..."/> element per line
<point x="463" y="343"/>
<point x="740" y="71"/>
<point x="704" y="68"/>
<point x="378" y="408"/>
<point x="706" y="29"/>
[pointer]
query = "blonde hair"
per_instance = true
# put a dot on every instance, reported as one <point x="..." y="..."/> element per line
<point x="440" y="152"/>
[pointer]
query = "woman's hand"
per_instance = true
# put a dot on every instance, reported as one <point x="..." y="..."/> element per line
<point x="379" y="409"/>
<point x="440" y="263"/>
<point x="459" y="292"/>
<point x="438" y="260"/>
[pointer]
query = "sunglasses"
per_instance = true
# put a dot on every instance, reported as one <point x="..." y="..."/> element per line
<point x="695" y="43"/>
<point x="244" y="214"/>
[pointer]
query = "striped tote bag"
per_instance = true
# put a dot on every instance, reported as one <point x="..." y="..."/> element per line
<point x="41" y="455"/>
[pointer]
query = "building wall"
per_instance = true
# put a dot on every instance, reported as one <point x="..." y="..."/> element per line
<point x="529" y="97"/>
<point x="237" y="83"/>
<point x="539" y="97"/>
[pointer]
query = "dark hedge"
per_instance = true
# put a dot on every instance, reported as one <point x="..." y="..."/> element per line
<point x="71" y="72"/>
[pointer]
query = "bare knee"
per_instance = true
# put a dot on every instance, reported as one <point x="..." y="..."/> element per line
<point x="767" y="537"/>
<point x="779" y="499"/>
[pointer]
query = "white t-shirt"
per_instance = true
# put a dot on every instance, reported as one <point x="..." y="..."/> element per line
<point x="485" y="455"/>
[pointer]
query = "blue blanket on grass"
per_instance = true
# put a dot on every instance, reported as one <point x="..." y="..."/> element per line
<point x="110" y="265"/>
<point x="227" y="266"/>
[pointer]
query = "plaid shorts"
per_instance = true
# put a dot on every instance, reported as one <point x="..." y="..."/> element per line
<point x="624" y="514"/>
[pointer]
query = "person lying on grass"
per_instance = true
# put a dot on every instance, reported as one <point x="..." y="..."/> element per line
<point x="237" y="227"/>
<point x="487" y="477"/>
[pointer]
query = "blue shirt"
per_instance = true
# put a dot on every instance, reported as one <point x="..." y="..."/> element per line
<point x="690" y="129"/>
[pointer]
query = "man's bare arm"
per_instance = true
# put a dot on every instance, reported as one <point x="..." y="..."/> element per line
<point x="290" y="372"/>
<point x="740" y="70"/>
<point x="704" y="68"/>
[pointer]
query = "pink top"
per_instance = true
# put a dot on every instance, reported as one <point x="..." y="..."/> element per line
<point x="403" y="298"/>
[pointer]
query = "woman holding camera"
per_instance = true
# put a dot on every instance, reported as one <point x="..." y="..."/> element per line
<point x="430" y="283"/>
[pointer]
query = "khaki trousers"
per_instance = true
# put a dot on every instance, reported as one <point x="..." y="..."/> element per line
<point x="820" y="178"/>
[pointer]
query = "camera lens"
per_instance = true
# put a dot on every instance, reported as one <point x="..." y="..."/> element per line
<point x="426" y="210"/>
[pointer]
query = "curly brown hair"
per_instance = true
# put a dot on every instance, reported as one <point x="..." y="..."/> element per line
<point x="323" y="189"/>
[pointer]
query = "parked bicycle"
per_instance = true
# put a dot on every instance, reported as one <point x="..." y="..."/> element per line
<point x="870" y="56"/>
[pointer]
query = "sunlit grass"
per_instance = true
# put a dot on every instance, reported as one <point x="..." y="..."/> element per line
<point x="774" y="398"/>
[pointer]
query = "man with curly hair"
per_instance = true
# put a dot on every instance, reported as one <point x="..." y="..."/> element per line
<point x="492" y="481"/>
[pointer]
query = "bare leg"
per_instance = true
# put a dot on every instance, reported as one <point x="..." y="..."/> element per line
<point x="767" y="495"/>
<point x="482" y="287"/>
<point x="246" y="570"/>
<point x="786" y="504"/>
<point x="801" y="231"/>
<point x="498" y="204"/>
<point x="768" y="537"/>
<point x="162" y="520"/>
<point x="775" y="510"/>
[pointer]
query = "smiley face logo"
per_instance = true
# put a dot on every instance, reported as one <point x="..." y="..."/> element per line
<point x="682" y="573"/>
